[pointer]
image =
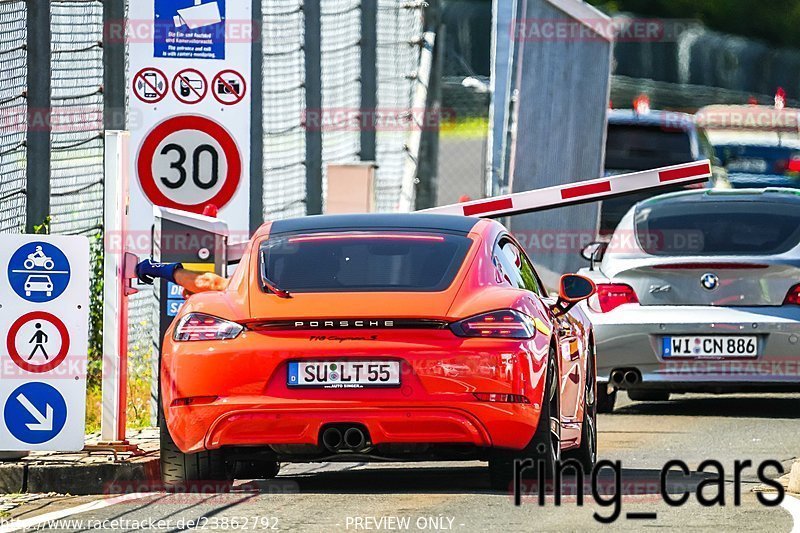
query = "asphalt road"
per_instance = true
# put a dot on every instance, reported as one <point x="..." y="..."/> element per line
<point x="456" y="496"/>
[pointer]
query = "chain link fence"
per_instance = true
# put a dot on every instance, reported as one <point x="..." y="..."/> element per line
<point x="399" y="30"/>
<point x="340" y="59"/>
<point x="13" y="112"/>
<point x="283" y="97"/>
<point x="400" y="25"/>
<point x="463" y="139"/>
<point x="76" y="167"/>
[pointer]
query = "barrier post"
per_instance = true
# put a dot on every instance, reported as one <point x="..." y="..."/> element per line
<point x="118" y="271"/>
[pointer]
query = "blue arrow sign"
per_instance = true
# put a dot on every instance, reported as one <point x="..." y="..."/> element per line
<point x="35" y="412"/>
<point x="38" y="271"/>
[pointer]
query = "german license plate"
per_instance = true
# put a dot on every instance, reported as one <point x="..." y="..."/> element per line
<point x="710" y="346"/>
<point x="343" y="374"/>
<point x="747" y="164"/>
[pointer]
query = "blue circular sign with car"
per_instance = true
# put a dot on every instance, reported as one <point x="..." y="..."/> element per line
<point x="38" y="272"/>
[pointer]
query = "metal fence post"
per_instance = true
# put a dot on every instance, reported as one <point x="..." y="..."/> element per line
<point x="313" y="85"/>
<point x="256" y="120"/>
<point x="369" y="79"/>
<point x="114" y="64"/>
<point x="427" y="167"/>
<point x="37" y="140"/>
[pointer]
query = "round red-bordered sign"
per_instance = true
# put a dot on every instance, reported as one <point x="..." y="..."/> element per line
<point x="184" y="86"/>
<point x="141" y="83"/>
<point x="229" y="88"/>
<point x="12" y="337"/>
<point x="233" y="158"/>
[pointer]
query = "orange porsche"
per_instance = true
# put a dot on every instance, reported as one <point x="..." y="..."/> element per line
<point x="378" y="337"/>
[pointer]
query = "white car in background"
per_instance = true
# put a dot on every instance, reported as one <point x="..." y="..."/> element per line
<point x="699" y="291"/>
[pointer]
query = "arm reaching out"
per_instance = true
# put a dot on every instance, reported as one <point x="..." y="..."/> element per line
<point x="191" y="281"/>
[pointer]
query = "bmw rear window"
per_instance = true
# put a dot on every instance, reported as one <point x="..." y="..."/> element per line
<point x="681" y="226"/>
<point x="364" y="261"/>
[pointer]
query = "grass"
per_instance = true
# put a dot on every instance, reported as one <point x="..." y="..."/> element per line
<point x="138" y="402"/>
<point x="468" y="128"/>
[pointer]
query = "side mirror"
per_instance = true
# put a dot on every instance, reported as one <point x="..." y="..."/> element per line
<point x="572" y="288"/>
<point x="594" y="252"/>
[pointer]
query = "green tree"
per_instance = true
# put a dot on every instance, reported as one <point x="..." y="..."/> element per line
<point x="775" y="22"/>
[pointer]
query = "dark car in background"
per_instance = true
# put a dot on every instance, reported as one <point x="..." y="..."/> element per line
<point x="643" y="140"/>
<point x="753" y="164"/>
<point x="758" y="145"/>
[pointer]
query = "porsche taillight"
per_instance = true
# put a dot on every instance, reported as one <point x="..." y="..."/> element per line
<point x="503" y="324"/>
<point x="499" y="397"/>
<point x="202" y="327"/>
<point x="793" y="296"/>
<point x="609" y="296"/>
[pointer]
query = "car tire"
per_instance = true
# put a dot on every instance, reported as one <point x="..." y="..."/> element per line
<point x="27" y="293"/>
<point x="179" y="469"/>
<point x="586" y="453"/>
<point x="605" y="399"/>
<point x="544" y="446"/>
<point x="648" y="395"/>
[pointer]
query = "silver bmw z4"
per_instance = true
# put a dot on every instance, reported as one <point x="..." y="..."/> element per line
<point x="699" y="291"/>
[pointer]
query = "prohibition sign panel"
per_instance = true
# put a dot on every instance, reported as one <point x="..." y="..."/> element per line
<point x="189" y="86"/>
<point x="189" y="161"/>
<point x="32" y="336"/>
<point x="150" y="85"/>
<point x="228" y="87"/>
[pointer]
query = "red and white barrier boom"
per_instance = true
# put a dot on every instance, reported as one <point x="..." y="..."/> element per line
<point x="581" y="192"/>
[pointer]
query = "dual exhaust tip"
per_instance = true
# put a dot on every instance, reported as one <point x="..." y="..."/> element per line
<point x="352" y="439"/>
<point x="624" y="378"/>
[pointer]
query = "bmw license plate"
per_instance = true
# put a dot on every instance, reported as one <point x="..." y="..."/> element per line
<point x="710" y="346"/>
<point x="343" y="374"/>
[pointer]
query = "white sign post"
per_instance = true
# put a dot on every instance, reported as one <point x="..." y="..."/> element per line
<point x="44" y="325"/>
<point x="189" y="76"/>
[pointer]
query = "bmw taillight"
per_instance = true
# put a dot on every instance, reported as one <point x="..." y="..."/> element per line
<point x="793" y="296"/>
<point x="504" y="324"/>
<point x="202" y="327"/>
<point x="609" y="296"/>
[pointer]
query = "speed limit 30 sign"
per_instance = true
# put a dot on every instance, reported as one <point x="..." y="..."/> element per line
<point x="187" y="162"/>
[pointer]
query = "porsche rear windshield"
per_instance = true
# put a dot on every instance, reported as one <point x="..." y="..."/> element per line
<point x="364" y="261"/>
<point x="678" y="227"/>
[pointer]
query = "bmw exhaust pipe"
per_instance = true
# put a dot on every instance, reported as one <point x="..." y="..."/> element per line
<point x="631" y="378"/>
<point x="332" y="439"/>
<point x="355" y="439"/>
<point x="617" y="377"/>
